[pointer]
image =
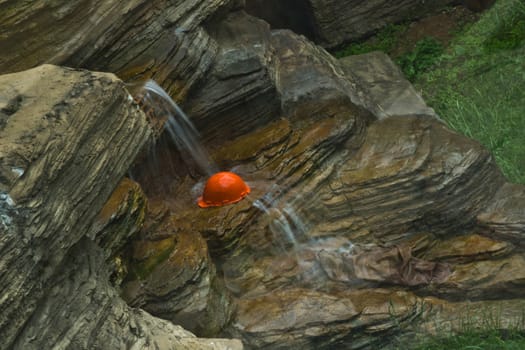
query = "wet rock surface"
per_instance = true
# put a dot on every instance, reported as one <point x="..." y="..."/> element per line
<point x="172" y="276"/>
<point x="391" y="204"/>
<point x="367" y="218"/>
<point x="358" y="189"/>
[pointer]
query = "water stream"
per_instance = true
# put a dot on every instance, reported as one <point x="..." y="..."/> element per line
<point x="179" y="127"/>
<point x="285" y="239"/>
<point x="287" y="224"/>
<point x="290" y="218"/>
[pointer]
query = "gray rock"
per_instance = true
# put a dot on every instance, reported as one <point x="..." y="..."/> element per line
<point x="72" y="134"/>
<point x="137" y="40"/>
<point x="242" y="74"/>
<point x="82" y="311"/>
<point x="389" y="92"/>
<point x="331" y="23"/>
<point x="361" y="224"/>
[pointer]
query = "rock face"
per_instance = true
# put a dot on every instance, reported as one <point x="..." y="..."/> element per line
<point x="137" y="39"/>
<point x="66" y="139"/>
<point x="331" y="23"/>
<point x="121" y="217"/>
<point x="368" y="218"/>
<point x="389" y="92"/>
<point x="389" y="197"/>
<point x="81" y="311"/>
<point x="172" y="276"/>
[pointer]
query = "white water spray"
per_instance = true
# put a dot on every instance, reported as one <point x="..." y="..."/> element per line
<point x="286" y="221"/>
<point x="179" y="127"/>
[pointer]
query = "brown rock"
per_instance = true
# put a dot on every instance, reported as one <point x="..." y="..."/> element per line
<point x="361" y="224"/>
<point x="319" y="320"/>
<point x="121" y="217"/>
<point x="487" y="279"/>
<point x="467" y="248"/>
<point x="172" y="276"/>
<point x="354" y="187"/>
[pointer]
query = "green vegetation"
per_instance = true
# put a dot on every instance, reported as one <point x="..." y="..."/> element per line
<point x="487" y="333"/>
<point x="425" y="54"/>
<point x="142" y="268"/>
<point x="510" y="33"/>
<point x="478" y="86"/>
<point x="476" y="340"/>
<point x="485" y="328"/>
<point x="384" y="40"/>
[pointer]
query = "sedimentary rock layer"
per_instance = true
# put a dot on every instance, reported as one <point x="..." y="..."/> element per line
<point x="331" y="23"/>
<point x="135" y="39"/>
<point x="367" y="217"/>
<point x="67" y="138"/>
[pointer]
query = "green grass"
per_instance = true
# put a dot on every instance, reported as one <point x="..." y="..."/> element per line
<point x="488" y="333"/>
<point x="509" y="35"/>
<point x="476" y="340"/>
<point x="482" y="328"/>
<point x="384" y="40"/>
<point x="424" y="56"/>
<point x="478" y="86"/>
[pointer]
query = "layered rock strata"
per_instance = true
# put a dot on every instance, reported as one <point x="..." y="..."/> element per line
<point x="172" y="276"/>
<point x="357" y="190"/>
<point x="136" y="39"/>
<point x="332" y="23"/>
<point x="66" y="139"/>
<point x="368" y="218"/>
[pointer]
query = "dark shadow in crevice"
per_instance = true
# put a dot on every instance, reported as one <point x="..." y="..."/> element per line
<point x="296" y="15"/>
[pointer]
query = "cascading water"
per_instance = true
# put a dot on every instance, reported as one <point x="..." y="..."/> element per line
<point x="286" y="222"/>
<point x="181" y="130"/>
<point x="289" y="220"/>
<point x="279" y="243"/>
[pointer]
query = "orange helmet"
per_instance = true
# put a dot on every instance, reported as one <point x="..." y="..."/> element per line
<point x="223" y="188"/>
